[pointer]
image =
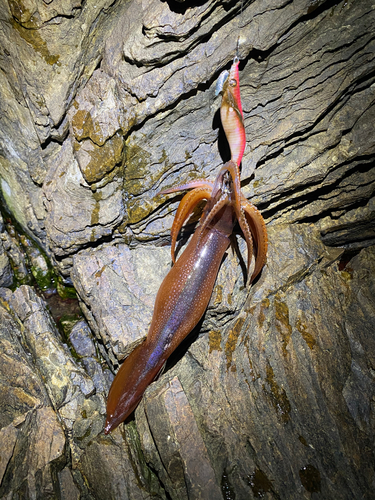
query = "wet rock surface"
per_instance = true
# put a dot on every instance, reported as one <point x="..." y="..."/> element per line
<point x="282" y="386"/>
<point x="6" y="275"/>
<point x="32" y="439"/>
<point x="103" y="104"/>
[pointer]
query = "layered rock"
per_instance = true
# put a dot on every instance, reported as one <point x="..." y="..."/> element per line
<point x="103" y="104"/>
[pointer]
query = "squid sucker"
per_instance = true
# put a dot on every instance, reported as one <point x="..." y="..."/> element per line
<point x="186" y="290"/>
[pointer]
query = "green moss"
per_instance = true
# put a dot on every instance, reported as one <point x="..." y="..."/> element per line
<point x="137" y="162"/>
<point x="231" y="343"/>
<point x="33" y="38"/>
<point x="277" y="395"/>
<point x="214" y="340"/>
<point x="95" y="213"/>
<point x="261" y="317"/>
<point x="39" y="272"/>
<point x="66" y="323"/>
<point x="19" y="279"/>
<point x="65" y="292"/>
<point x="257" y="182"/>
<point x="19" y="265"/>
<point x="44" y="279"/>
<point x="219" y="295"/>
<point x="282" y="323"/>
<point x="40" y="266"/>
<point x="306" y="335"/>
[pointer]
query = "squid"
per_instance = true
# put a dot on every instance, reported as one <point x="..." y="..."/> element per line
<point x="185" y="292"/>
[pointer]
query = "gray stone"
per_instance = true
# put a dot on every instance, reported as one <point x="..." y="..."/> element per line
<point x="76" y="215"/>
<point x="83" y="344"/>
<point x="21" y="389"/>
<point x="63" y="377"/>
<point x="104" y="104"/>
<point x="6" y="274"/>
<point x="32" y="441"/>
<point x="181" y="459"/>
<point x="113" y="282"/>
<point x="70" y="388"/>
<point x="80" y="337"/>
<point x="13" y="253"/>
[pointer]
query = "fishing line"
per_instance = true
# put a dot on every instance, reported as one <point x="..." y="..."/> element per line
<point x="239" y="31"/>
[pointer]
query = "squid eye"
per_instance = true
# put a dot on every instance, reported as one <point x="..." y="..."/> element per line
<point x="232" y="82"/>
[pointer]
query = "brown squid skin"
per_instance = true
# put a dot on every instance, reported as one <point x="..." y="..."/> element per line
<point x="186" y="290"/>
<point x="180" y="303"/>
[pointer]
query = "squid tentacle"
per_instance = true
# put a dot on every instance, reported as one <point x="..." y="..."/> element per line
<point x="197" y="183"/>
<point x="259" y="231"/>
<point x="185" y="209"/>
<point x="214" y="211"/>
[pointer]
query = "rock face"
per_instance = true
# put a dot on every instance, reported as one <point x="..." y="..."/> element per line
<point x="104" y="104"/>
<point x="6" y="275"/>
